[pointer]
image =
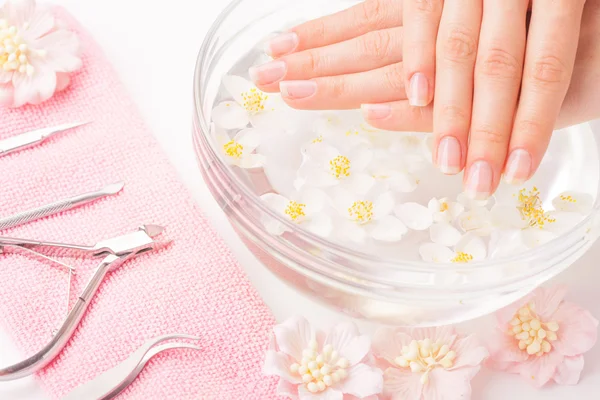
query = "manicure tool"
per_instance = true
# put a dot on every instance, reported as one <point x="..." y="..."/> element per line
<point x="33" y="138"/>
<point x="112" y="382"/>
<point x="59" y="206"/>
<point x="115" y="251"/>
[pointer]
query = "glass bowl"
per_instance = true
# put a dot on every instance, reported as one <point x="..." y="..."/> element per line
<point x="361" y="285"/>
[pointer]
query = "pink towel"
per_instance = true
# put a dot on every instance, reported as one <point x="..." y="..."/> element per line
<point x="194" y="286"/>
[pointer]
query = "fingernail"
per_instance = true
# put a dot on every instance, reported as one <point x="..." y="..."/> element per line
<point x="376" y="111"/>
<point x="479" y="181"/>
<point x="449" y="155"/>
<point x="268" y="73"/>
<point x="518" y="167"/>
<point x="282" y="44"/>
<point x="297" y="89"/>
<point x="418" y="93"/>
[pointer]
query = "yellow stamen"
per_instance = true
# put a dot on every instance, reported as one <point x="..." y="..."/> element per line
<point x="569" y="199"/>
<point x="295" y="210"/>
<point x="254" y="100"/>
<point x="318" y="139"/>
<point x="233" y="149"/>
<point x="462" y="258"/>
<point x="361" y="211"/>
<point x="531" y="334"/>
<point x="444" y="207"/>
<point x="531" y="209"/>
<point x="351" y="132"/>
<point x="340" y="167"/>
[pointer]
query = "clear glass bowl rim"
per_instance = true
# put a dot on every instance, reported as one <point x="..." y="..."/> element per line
<point x="547" y="250"/>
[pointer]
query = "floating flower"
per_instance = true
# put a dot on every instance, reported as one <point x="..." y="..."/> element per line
<point x="36" y="56"/>
<point x="398" y="173"/>
<point x="313" y="367"/>
<point x="343" y="130"/>
<point x="250" y="105"/>
<point x="427" y="363"/>
<point x="326" y="166"/>
<point x="444" y="210"/>
<point x="469" y="248"/>
<point x="543" y="338"/>
<point x="240" y="151"/>
<point x="415" y="216"/>
<point x="476" y="220"/>
<point x="306" y="208"/>
<point x="572" y="201"/>
<point x="368" y="215"/>
<point x="525" y="210"/>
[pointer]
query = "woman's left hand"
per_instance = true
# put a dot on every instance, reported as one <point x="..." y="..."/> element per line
<point x="498" y="85"/>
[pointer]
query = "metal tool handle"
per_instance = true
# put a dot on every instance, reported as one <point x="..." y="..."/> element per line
<point x="113" y="381"/>
<point x="37" y="213"/>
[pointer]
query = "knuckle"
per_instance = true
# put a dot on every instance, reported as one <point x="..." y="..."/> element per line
<point x="370" y="10"/>
<point x="488" y="135"/>
<point x="548" y="70"/>
<point x="338" y="87"/>
<point x="427" y="6"/>
<point x="394" y="78"/>
<point x="529" y="128"/>
<point x="454" y="114"/>
<point x="499" y="63"/>
<point x="460" y="44"/>
<point x="376" y="45"/>
<point x="312" y="62"/>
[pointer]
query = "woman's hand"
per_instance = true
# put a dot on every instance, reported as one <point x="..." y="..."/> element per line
<point x="498" y="88"/>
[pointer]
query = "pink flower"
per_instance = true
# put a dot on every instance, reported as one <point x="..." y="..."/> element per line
<point x="543" y="338"/>
<point x="313" y="366"/>
<point x="35" y="56"/>
<point x="427" y="363"/>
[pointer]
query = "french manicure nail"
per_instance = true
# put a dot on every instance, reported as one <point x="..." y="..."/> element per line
<point x="479" y="181"/>
<point x="282" y="44"/>
<point x="418" y="93"/>
<point x="449" y="155"/>
<point x="518" y="167"/>
<point x="297" y="90"/>
<point x="376" y="111"/>
<point x="268" y="73"/>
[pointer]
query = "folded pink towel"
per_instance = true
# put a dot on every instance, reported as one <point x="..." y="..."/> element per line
<point x="194" y="286"/>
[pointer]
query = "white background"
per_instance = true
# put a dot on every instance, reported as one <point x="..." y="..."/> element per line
<point x="153" y="46"/>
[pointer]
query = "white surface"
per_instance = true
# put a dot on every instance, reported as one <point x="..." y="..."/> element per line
<point x="153" y="46"/>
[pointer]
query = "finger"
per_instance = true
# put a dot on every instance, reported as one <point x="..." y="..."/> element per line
<point x="347" y="24"/>
<point x="364" y="53"/>
<point x="455" y="63"/>
<point x="421" y="22"/>
<point x="398" y="116"/>
<point x="346" y="91"/>
<point x="498" y="72"/>
<point x="549" y="62"/>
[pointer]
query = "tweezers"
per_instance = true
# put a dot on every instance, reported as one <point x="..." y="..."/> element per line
<point x="112" y="382"/>
<point x="32" y="138"/>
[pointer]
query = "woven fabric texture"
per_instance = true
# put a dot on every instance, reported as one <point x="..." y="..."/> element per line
<point x="194" y="286"/>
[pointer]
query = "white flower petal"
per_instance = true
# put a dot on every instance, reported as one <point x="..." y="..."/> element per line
<point x="329" y="394"/>
<point x="342" y="200"/>
<point x="251" y="161"/>
<point x="277" y="364"/>
<point x="314" y="198"/>
<point x="268" y="119"/>
<point x="360" y="158"/>
<point x="383" y="205"/>
<point x="506" y="217"/>
<point x="444" y="234"/>
<point x="433" y="252"/>
<point x="455" y="209"/>
<point x="415" y="216"/>
<point x="506" y="243"/>
<point x="19" y="12"/>
<point x="5" y="76"/>
<point x="230" y="115"/>
<point x="476" y="220"/>
<point x="353" y="231"/>
<point x="470" y="203"/>
<point x="388" y="229"/>
<point x="40" y="23"/>
<point x="322" y="153"/>
<point x="359" y="183"/>
<point x="434" y="205"/>
<point x="320" y="224"/>
<point x="472" y="244"/>
<point x="236" y="85"/>
<point x="363" y="381"/>
<point x="536" y="237"/>
<point x="34" y="89"/>
<point x="403" y="182"/>
<point x="62" y="51"/>
<point x="250" y="138"/>
<point x="345" y="338"/>
<point x="572" y="201"/>
<point x="276" y="201"/>
<point x="562" y="221"/>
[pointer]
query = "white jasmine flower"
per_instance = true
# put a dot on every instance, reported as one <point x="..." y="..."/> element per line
<point x="325" y="166"/>
<point x="477" y="220"/>
<point x="250" y="106"/>
<point x="444" y="234"/>
<point x="394" y="171"/>
<point x="240" y="151"/>
<point x="572" y="201"/>
<point x="444" y="210"/>
<point x="341" y="129"/>
<point x="368" y="215"/>
<point x="468" y="249"/>
<point x="307" y="208"/>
